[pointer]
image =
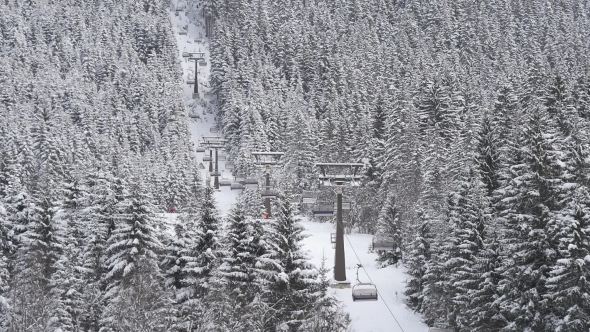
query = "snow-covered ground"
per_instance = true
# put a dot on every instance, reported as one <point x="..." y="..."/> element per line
<point x="366" y="316"/>
<point x="195" y="41"/>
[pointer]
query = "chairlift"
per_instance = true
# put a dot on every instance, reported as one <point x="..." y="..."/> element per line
<point x="224" y="182"/>
<point x="240" y="177"/>
<point x="214" y="129"/>
<point x="185" y="54"/>
<point x="363" y="291"/>
<point x="207" y="158"/>
<point x="182" y="32"/>
<point x="309" y="197"/>
<point x="202" y="63"/>
<point x="200" y="149"/>
<point x="198" y="40"/>
<point x="295" y="200"/>
<point x="251" y="183"/>
<point x="439" y="329"/>
<point x="190" y="81"/>
<point x="268" y="192"/>
<point x="383" y="243"/>
<point x="214" y="173"/>
<point x="236" y="185"/>
<point x="323" y="210"/>
<point x="222" y="157"/>
<point x="346" y="204"/>
<point x="229" y="165"/>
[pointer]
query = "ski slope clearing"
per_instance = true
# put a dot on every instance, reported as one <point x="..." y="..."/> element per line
<point x="366" y="316"/>
<point x="201" y="110"/>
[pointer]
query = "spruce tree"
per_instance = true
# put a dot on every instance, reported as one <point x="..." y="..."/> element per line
<point x="417" y="262"/>
<point x="388" y="226"/>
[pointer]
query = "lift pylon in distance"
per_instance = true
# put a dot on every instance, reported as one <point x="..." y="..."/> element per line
<point x="267" y="159"/>
<point x="339" y="175"/>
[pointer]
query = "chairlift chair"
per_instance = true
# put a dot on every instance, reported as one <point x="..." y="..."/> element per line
<point x="182" y="32"/>
<point x="207" y="158"/>
<point x="323" y="210"/>
<point x="240" y="177"/>
<point x="236" y="185"/>
<point x="364" y="291"/>
<point x="200" y="149"/>
<point x="190" y="81"/>
<point x="346" y="205"/>
<point x="185" y="54"/>
<point x="202" y="63"/>
<point x="383" y="243"/>
<point x="309" y="197"/>
<point x="295" y="200"/>
<point x="214" y="129"/>
<point x="229" y="165"/>
<point x="224" y="182"/>
<point x="268" y="192"/>
<point x="439" y="329"/>
<point x="214" y="173"/>
<point x="222" y="157"/>
<point x="251" y="183"/>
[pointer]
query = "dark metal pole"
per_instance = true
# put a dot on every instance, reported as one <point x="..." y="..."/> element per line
<point x="267" y="200"/>
<point x="216" y="183"/>
<point x="196" y="89"/>
<point x="339" y="259"/>
<point x="211" y="162"/>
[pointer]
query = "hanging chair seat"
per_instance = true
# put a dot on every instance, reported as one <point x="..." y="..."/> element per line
<point x="323" y="210"/>
<point x="237" y="185"/>
<point x="346" y="205"/>
<point x="214" y="173"/>
<point x="214" y="129"/>
<point x="251" y="183"/>
<point x="309" y="197"/>
<point x="268" y="193"/>
<point x="229" y="165"/>
<point x="225" y="182"/>
<point x="200" y="149"/>
<point x="364" y="292"/>
<point x="206" y="158"/>
<point x="383" y="243"/>
<point x="240" y="177"/>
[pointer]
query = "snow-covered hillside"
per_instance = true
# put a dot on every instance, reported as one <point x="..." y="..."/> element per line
<point x="366" y="316"/>
<point x="204" y="108"/>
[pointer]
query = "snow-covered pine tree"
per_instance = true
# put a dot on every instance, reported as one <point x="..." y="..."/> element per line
<point x="200" y="258"/>
<point x="238" y="273"/>
<point x="291" y="292"/>
<point x="388" y="225"/>
<point x="467" y="217"/>
<point x="528" y="212"/>
<point x="417" y="261"/>
<point x="135" y="297"/>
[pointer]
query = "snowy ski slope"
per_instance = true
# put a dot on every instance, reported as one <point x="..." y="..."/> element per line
<point x="366" y="316"/>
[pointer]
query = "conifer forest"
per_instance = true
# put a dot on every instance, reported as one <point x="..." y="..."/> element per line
<point x="471" y="120"/>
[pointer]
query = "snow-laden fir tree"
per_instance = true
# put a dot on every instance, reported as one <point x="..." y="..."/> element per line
<point x="238" y="280"/>
<point x="292" y="281"/>
<point x="467" y="217"/>
<point x="418" y="260"/>
<point x="134" y="295"/>
<point x="200" y="257"/>
<point x="529" y="212"/>
<point x="389" y="227"/>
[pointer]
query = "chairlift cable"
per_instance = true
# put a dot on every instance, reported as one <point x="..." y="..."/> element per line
<point x="367" y="273"/>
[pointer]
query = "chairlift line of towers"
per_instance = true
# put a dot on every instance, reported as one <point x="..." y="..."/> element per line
<point x="337" y="175"/>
